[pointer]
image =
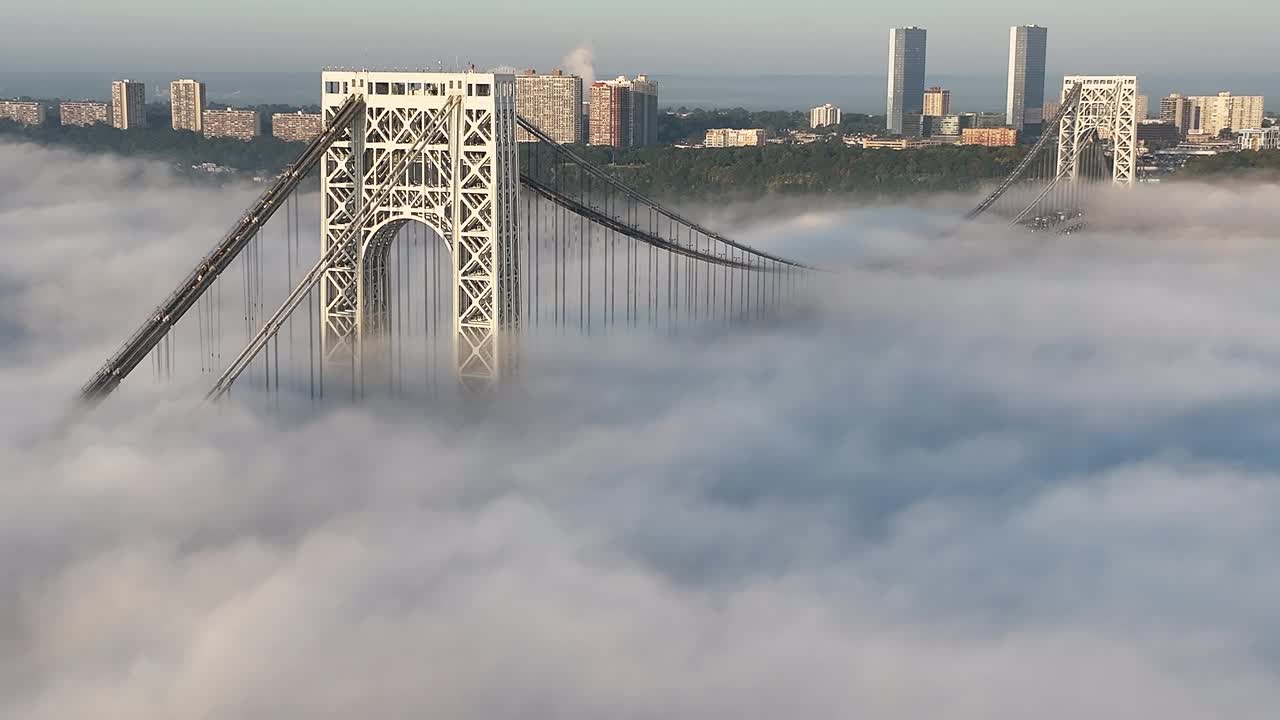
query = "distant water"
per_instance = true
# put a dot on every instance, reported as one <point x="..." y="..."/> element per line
<point x="853" y="93"/>
<point x="866" y="93"/>
<point x="245" y="88"/>
<point x="789" y="92"/>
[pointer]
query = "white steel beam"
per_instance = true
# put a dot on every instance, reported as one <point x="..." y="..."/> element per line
<point x="462" y="184"/>
<point x="1108" y="106"/>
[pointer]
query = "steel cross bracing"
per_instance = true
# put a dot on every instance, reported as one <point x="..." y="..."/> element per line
<point x="1093" y="109"/>
<point x="1051" y="129"/>
<point x="439" y="149"/>
<point x="1107" y="106"/>
<point x="463" y="184"/>
<point x="194" y="285"/>
<point x="1063" y="172"/>
<point x="337" y="252"/>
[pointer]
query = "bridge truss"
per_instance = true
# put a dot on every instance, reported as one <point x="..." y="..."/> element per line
<point x="433" y="217"/>
<point x="1092" y="139"/>
<point x="445" y="242"/>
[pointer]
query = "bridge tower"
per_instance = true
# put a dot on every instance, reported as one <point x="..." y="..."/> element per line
<point x="462" y="182"/>
<point x="1107" y="108"/>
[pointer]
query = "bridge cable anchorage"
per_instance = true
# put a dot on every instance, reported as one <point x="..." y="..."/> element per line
<point x="1068" y="106"/>
<point x="168" y="313"/>
<point x="642" y="200"/>
<point x="337" y="248"/>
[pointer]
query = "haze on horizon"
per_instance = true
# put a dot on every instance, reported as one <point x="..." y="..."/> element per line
<point x="822" y="37"/>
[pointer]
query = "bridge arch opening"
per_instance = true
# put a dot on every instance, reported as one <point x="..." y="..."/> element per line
<point x="407" y="288"/>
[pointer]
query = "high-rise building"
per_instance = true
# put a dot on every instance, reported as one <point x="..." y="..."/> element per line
<point x="726" y="137"/>
<point x="606" y="118"/>
<point x="913" y="125"/>
<point x="229" y="123"/>
<point x="824" y="115"/>
<point x="553" y="103"/>
<point x="937" y="102"/>
<point x="128" y="104"/>
<point x="23" y="112"/>
<point x="946" y="125"/>
<point x="1247" y="112"/>
<point x="297" y="126"/>
<point x="644" y="111"/>
<point x="990" y="137"/>
<point x="186" y="105"/>
<point x="1051" y="109"/>
<point x="1158" y="134"/>
<point x="83" y="113"/>
<point x="984" y="120"/>
<point x="1028" y="50"/>
<point x="1178" y="110"/>
<point x="1211" y="114"/>
<point x="1144" y="107"/>
<point x="907" y="48"/>
<point x="624" y="113"/>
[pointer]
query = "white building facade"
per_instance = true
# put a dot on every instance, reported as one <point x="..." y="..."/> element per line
<point x="824" y="115"/>
<point x="1258" y="139"/>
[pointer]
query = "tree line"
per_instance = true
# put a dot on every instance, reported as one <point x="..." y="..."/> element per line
<point x="813" y="169"/>
<point x="684" y="125"/>
<point x="829" y="168"/>
<point x="1265" y="163"/>
<point x="160" y="141"/>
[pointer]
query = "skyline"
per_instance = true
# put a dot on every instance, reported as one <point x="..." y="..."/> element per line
<point x="853" y="93"/>
<point x="668" y="39"/>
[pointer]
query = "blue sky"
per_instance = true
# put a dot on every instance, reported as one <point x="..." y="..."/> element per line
<point x="667" y="36"/>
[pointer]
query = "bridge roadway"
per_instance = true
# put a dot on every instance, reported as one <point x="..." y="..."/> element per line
<point x="158" y="325"/>
<point x="738" y="256"/>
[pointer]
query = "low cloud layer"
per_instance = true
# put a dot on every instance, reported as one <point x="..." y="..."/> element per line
<point x="977" y="474"/>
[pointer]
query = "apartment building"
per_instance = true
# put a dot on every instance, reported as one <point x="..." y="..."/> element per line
<point x="186" y="105"/>
<point x="937" y="102"/>
<point x="297" y="126"/>
<point x="824" y="115"/>
<point x="727" y="137"/>
<point x="238" y="124"/>
<point x="624" y="112"/>
<point x="128" y="104"/>
<point x="989" y="137"/>
<point x="23" y="112"/>
<point x="1211" y="114"/>
<point x="553" y="103"/>
<point x="83" y="113"/>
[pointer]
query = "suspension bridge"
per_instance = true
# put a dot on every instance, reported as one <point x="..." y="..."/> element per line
<point x="446" y="246"/>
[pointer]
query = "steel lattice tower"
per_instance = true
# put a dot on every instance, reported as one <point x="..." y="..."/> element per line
<point x="463" y="185"/>
<point x="1108" y="106"/>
